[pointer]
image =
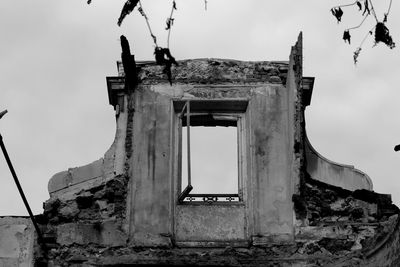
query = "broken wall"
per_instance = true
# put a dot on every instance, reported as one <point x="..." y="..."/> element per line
<point x="124" y="208"/>
<point x="17" y="240"/>
<point x="325" y="170"/>
<point x="266" y="210"/>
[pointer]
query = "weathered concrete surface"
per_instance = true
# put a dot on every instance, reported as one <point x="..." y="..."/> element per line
<point x="99" y="203"/>
<point x="386" y="252"/>
<point x="108" y="234"/>
<point x="150" y="167"/>
<point x="355" y="225"/>
<point x="16" y="242"/>
<point x="270" y="163"/>
<point x="268" y="153"/>
<point x="210" y="223"/>
<point x="74" y="176"/>
<point x="327" y="171"/>
<point x="214" y="70"/>
<point x="99" y="171"/>
<point x="268" y="166"/>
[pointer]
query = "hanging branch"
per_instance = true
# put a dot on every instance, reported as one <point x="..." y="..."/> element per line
<point x="346" y="34"/>
<point x="141" y="11"/>
<point x="345" y="5"/>
<point x="366" y="8"/>
<point x="381" y="31"/>
<point x="358" y="50"/>
<point x="387" y="13"/>
<point x="359" y="25"/>
<point x="338" y="12"/>
<point x="373" y="10"/>
<point x="170" y="21"/>
<point x="162" y="55"/>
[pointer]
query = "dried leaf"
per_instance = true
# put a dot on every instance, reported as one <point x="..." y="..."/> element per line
<point x="356" y="54"/>
<point x="174" y="5"/>
<point x="338" y="13"/>
<point x="346" y="36"/>
<point x="170" y="22"/>
<point x="127" y="9"/>
<point x="142" y="12"/>
<point x="89" y="1"/>
<point x="163" y="57"/>
<point x="366" y="8"/>
<point x="154" y="38"/>
<point x="359" y="5"/>
<point x="385" y="17"/>
<point x="382" y="35"/>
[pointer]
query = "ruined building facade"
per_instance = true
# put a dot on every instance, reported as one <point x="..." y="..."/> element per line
<point x="292" y="207"/>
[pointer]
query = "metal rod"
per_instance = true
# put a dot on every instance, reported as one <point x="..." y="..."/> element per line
<point x="188" y="142"/>
<point x="21" y="192"/>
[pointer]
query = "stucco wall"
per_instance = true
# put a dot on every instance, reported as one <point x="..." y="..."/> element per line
<point x="267" y="205"/>
<point x="327" y="171"/>
<point x="16" y="242"/>
<point x="150" y="188"/>
<point x="270" y="162"/>
<point x="210" y="223"/>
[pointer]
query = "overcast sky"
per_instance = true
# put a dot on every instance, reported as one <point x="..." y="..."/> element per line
<point x="55" y="55"/>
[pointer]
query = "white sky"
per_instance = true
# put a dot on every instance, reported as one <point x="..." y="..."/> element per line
<point x="210" y="174"/>
<point x="55" y="55"/>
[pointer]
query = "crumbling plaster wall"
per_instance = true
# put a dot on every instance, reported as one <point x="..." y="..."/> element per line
<point x="267" y="206"/>
<point x="16" y="242"/>
<point x="111" y="211"/>
<point x="144" y="152"/>
<point x="88" y="204"/>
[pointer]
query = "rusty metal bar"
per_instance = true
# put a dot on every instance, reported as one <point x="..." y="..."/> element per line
<point x="21" y="192"/>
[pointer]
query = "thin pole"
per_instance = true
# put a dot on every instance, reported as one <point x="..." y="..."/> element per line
<point x="21" y="192"/>
<point x="188" y="141"/>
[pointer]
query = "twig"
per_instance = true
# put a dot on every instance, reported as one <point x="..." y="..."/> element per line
<point x="170" y="21"/>
<point x="373" y="10"/>
<point x="390" y="6"/>
<point x="148" y="24"/>
<point x="366" y="36"/>
<point x="346" y="5"/>
<point x="352" y="28"/>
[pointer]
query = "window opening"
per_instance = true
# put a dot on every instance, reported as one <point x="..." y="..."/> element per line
<point x="209" y="156"/>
